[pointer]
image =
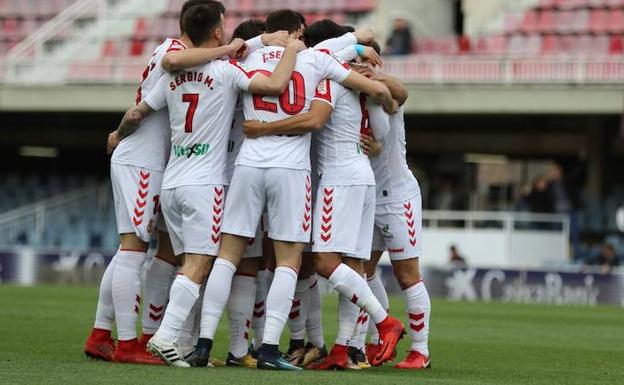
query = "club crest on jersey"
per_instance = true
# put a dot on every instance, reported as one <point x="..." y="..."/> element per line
<point x="198" y="149"/>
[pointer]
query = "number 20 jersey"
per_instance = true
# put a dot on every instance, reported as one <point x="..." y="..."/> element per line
<point x="283" y="151"/>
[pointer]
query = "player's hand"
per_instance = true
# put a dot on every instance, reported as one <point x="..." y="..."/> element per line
<point x="278" y="38"/>
<point x="297" y="44"/>
<point x="112" y="142"/>
<point x="364" y="70"/>
<point x="364" y="35"/>
<point x="253" y="129"/>
<point x="392" y="109"/>
<point x="372" y="56"/>
<point x="236" y="48"/>
<point x="370" y="146"/>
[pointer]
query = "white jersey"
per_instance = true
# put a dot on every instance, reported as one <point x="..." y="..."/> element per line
<point x="283" y="151"/>
<point x="341" y="161"/>
<point x="148" y="146"/>
<point x="395" y="181"/>
<point x="201" y="108"/>
<point x="236" y="139"/>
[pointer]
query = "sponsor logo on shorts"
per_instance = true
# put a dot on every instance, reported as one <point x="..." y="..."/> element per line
<point x="198" y="149"/>
<point x="386" y="234"/>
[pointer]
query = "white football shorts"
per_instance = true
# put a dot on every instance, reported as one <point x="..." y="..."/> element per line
<point x="288" y="197"/>
<point x="343" y="220"/>
<point x="194" y="217"/>
<point x="136" y="195"/>
<point x="398" y="228"/>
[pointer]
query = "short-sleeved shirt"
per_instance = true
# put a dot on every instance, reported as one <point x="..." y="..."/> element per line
<point x="201" y="105"/>
<point x="340" y="159"/>
<point x="148" y="146"/>
<point x="282" y="151"/>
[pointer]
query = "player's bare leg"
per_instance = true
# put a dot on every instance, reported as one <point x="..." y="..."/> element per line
<point x="418" y="306"/>
<point x="298" y="316"/>
<point x="217" y="292"/>
<point x="240" y="308"/>
<point x="279" y="303"/>
<point x="353" y="286"/>
<point x="185" y="291"/>
<point x="158" y="278"/>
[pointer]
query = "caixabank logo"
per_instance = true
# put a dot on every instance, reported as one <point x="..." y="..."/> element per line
<point x="554" y="288"/>
<point x="197" y="149"/>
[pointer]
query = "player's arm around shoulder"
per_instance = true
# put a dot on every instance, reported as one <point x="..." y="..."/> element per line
<point x="192" y="57"/>
<point x="312" y="120"/>
<point x="376" y="90"/>
<point x="279" y="79"/>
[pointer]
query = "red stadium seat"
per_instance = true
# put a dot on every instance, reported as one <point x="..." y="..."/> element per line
<point x="109" y="49"/>
<point x="547" y="21"/>
<point x="581" y="21"/>
<point x="140" y="28"/>
<point x="615" y="21"/>
<point x="598" y="21"/>
<point x="530" y="21"/>
<point x="616" y="45"/>
<point x="550" y="45"/>
<point x="565" y="21"/>
<point x="136" y="47"/>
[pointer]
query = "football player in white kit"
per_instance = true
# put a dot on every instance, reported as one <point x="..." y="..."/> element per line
<point x="201" y="104"/>
<point x="398" y="225"/>
<point x="275" y="170"/>
<point x="344" y="211"/>
<point x="137" y="167"/>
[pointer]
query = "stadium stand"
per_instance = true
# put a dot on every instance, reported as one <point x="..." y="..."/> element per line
<point x="549" y="27"/>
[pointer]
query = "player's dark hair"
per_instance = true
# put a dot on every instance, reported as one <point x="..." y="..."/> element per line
<point x="191" y="3"/>
<point x="249" y="29"/>
<point x="200" y="21"/>
<point x="303" y="19"/>
<point x="375" y="46"/>
<point x="323" y="30"/>
<point x="284" y="20"/>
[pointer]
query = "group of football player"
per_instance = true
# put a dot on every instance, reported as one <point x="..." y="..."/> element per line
<point x="215" y="161"/>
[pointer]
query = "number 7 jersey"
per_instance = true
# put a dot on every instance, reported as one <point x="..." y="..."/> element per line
<point x="282" y="151"/>
<point x="201" y="104"/>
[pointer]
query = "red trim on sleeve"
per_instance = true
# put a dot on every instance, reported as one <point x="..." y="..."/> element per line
<point x="236" y="64"/>
<point x="175" y="45"/>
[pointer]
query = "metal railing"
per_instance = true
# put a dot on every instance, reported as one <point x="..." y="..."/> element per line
<point x="35" y="219"/>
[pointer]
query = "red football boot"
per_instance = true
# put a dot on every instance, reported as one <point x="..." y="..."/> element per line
<point x="144" y="340"/>
<point x="130" y="352"/>
<point x="373" y="349"/>
<point x="337" y="359"/>
<point x="414" y="360"/>
<point x="391" y="330"/>
<point x="100" y="345"/>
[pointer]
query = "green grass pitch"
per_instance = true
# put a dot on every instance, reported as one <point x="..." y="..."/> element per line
<point x="42" y="331"/>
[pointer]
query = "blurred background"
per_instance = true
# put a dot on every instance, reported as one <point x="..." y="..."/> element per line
<point x="515" y="132"/>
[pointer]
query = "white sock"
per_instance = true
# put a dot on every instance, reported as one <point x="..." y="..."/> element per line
<point x="314" y="323"/>
<point x="186" y="335"/>
<point x="298" y="312"/>
<point x="184" y="293"/>
<point x="278" y="303"/>
<point x="126" y="292"/>
<point x="379" y="290"/>
<point x="348" y="314"/>
<point x="419" y="311"/>
<point x="105" y="313"/>
<point x="240" y="307"/>
<point x="217" y="293"/>
<point x="263" y="282"/>
<point x="158" y="278"/>
<point x="361" y="327"/>
<point x="350" y="284"/>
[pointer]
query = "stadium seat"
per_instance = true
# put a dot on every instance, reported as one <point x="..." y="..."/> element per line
<point x="598" y="21"/>
<point x="547" y="21"/>
<point x="616" y="45"/>
<point x="530" y="21"/>
<point x="615" y="21"/>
